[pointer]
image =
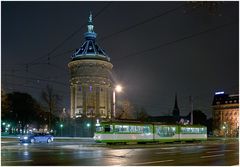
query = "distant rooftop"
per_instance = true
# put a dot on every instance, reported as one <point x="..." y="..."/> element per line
<point x="225" y="99"/>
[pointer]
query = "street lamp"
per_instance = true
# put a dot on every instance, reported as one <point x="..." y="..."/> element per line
<point x="61" y="126"/>
<point x="225" y="129"/>
<point x="118" y="89"/>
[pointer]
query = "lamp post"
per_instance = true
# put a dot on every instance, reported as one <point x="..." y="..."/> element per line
<point x="88" y="125"/>
<point x="61" y="126"/>
<point x="118" y="88"/>
<point x="225" y="129"/>
<point x="9" y="129"/>
<point x="4" y="127"/>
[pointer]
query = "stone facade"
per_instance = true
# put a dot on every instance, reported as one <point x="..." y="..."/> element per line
<point x="91" y="88"/>
<point x="226" y="115"/>
<point x="91" y="81"/>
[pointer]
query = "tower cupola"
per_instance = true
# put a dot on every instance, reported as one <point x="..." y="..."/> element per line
<point x="90" y="49"/>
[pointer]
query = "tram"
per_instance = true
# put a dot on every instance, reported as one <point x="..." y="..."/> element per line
<point x="134" y="131"/>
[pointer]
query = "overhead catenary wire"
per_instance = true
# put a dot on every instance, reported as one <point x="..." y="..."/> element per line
<point x="140" y="23"/>
<point x="40" y="79"/>
<point x="139" y="53"/>
<point x="30" y="86"/>
<point x="117" y="32"/>
<point x="108" y="36"/>
<point x="70" y="36"/>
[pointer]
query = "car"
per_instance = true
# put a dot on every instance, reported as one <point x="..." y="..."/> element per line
<point x="36" y="137"/>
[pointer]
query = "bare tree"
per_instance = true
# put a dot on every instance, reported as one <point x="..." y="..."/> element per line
<point x="124" y="110"/>
<point x="141" y="114"/>
<point x="212" y="7"/>
<point x="4" y="104"/>
<point x="51" y="100"/>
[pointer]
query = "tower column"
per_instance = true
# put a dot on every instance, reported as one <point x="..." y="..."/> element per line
<point x="91" y="68"/>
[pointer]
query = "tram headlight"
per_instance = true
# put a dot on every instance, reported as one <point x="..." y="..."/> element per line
<point x="25" y="137"/>
<point x="97" y="137"/>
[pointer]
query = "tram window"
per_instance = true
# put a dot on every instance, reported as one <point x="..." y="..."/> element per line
<point x="108" y="128"/>
<point x="166" y="131"/>
<point x="193" y="130"/>
<point x="146" y="129"/>
<point x="117" y="128"/>
<point x="99" y="129"/>
<point x="128" y="129"/>
<point x="132" y="129"/>
<point x="125" y="128"/>
<point x="122" y="128"/>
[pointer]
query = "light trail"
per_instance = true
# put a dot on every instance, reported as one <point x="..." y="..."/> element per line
<point x="153" y="162"/>
<point x="210" y="156"/>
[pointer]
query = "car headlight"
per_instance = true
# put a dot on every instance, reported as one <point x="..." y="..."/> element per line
<point x="25" y="137"/>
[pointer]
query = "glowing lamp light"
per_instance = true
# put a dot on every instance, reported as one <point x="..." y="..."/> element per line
<point x="61" y="125"/>
<point x="219" y="93"/>
<point x="88" y="124"/>
<point x="97" y="124"/>
<point x="118" y="88"/>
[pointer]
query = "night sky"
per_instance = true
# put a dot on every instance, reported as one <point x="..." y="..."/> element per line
<point x="157" y="49"/>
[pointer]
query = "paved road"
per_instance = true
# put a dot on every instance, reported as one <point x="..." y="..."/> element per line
<point x="89" y="154"/>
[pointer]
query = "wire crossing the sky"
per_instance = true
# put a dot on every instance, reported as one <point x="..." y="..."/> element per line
<point x="70" y="36"/>
<point x="105" y="37"/>
<point x="140" y="23"/>
<point x="175" y="41"/>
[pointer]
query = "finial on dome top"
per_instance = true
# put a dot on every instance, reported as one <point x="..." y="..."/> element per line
<point x="90" y="34"/>
<point x="90" y="17"/>
<point x="90" y="23"/>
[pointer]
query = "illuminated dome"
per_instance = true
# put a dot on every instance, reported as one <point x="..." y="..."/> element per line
<point x="90" y="49"/>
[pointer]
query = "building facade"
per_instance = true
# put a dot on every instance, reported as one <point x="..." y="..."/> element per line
<point x="225" y="111"/>
<point x="91" y="82"/>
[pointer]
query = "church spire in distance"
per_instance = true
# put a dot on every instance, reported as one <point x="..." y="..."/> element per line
<point x="176" y="111"/>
